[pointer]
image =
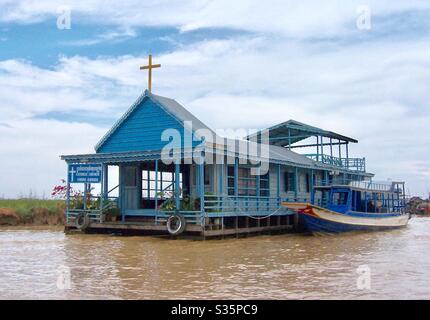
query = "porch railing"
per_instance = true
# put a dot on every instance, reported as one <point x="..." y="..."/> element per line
<point x="95" y="207"/>
<point x="245" y="205"/>
<point x="355" y="164"/>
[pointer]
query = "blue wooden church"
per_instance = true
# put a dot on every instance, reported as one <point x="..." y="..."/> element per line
<point x="173" y="179"/>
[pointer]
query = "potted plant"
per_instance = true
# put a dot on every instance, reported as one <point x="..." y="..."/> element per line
<point x="112" y="214"/>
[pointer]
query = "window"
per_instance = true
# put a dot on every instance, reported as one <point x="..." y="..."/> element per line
<point x="340" y="198"/>
<point x="289" y="181"/>
<point x="308" y="182"/>
<point x="130" y="179"/>
<point x="264" y="185"/>
<point x="230" y="180"/>
<point x="165" y="182"/>
<point x="207" y="176"/>
<point x="247" y="183"/>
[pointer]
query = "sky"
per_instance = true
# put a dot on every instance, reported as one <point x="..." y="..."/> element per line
<point x="70" y="69"/>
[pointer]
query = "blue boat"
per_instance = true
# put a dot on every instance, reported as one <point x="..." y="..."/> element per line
<point x="357" y="206"/>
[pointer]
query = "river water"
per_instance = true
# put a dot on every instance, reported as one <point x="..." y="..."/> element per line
<point x="41" y="263"/>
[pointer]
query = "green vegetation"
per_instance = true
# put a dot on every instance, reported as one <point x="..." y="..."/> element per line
<point x="24" y="206"/>
<point x="31" y="211"/>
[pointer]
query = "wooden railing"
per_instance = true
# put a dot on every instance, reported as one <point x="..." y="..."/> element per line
<point x="355" y="164"/>
<point x="246" y="205"/>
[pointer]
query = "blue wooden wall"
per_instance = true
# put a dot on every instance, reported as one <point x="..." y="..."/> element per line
<point x="142" y="130"/>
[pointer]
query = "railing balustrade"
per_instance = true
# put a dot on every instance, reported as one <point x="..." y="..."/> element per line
<point x="355" y="164"/>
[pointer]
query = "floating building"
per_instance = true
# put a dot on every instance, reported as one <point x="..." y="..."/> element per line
<point x="176" y="175"/>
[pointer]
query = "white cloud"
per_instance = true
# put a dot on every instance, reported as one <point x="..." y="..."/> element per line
<point x="308" y="18"/>
<point x="30" y="153"/>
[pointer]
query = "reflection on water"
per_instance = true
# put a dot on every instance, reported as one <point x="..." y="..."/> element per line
<point x="270" y="267"/>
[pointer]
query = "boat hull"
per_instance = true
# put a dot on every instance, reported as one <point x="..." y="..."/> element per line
<point x="316" y="219"/>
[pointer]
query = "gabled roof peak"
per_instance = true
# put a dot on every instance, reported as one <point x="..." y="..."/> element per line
<point x="170" y="106"/>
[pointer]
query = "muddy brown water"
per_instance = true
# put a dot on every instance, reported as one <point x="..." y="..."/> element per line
<point x="35" y="262"/>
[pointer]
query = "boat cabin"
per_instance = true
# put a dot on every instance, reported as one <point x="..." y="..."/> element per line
<point x="362" y="197"/>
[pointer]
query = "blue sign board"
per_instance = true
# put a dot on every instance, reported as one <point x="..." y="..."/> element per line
<point x="85" y="173"/>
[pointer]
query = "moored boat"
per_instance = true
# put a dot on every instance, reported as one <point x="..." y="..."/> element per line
<point x="353" y="207"/>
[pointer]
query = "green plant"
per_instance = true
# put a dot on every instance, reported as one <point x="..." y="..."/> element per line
<point x="188" y="204"/>
<point x="168" y="205"/>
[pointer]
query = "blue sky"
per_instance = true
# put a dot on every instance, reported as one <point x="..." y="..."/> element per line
<point x="247" y="66"/>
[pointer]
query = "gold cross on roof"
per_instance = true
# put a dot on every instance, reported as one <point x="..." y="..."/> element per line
<point x="149" y="67"/>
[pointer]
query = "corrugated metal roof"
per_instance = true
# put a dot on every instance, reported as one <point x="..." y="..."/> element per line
<point x="179" y="112"/>
<point x="294" y="131"/>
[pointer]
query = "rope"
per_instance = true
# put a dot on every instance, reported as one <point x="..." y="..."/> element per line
<point x="265" y="217"/>
<point x="257" y="218"/>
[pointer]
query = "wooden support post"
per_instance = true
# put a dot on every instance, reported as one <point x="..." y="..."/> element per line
<point x="318" y="149"/>
<point x="388" y="203"/>
<point x="312" y="182"/>
<point x="197" y="179"/>
<point x="103" y="191"/>
<point x="221" y="187"/>
<point x="322" y="148"/>
<point x="156" y="185"/>
<point x="148" y="182"/>
<point x="221" y="179"/>
<point x="258" y="191"/>
<point x="121" y="192"/>
<point x="85" y="195"/>
<point x="278" y="184"/>
<point x="67" y="194"/>
<point x="331" y="148"/>
<point x="177" y="187"/>
<point x="202" y="185"/>
<point x="105" y="179"/>
<point x="236" y="176"/>
<point x="296" y="183"/>
<point x="139" y="184"/>
<point x="347" y="155"/>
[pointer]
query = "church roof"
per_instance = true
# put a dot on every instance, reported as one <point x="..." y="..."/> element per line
<point x="171" y="106"/>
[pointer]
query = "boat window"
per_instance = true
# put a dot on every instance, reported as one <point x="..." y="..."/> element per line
<point x="340" y="198"/>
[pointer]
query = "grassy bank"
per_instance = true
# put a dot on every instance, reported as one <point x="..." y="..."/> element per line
<point x="31" y="211"/>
